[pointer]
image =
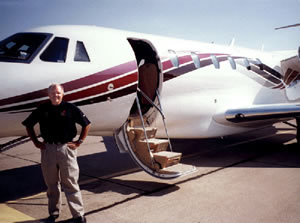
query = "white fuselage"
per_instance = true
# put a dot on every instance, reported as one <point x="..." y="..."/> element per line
<point x="190" y="99"/>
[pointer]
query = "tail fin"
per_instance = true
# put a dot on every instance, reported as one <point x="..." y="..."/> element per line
<point x="291" y="68"/>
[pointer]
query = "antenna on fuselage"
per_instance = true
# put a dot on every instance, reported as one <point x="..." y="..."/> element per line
<point x="232" y="42"/>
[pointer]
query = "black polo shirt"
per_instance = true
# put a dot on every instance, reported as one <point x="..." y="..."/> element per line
<point x="57" y="123"/>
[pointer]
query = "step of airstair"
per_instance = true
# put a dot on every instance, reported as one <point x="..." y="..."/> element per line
<point x="136" y="121"/>
<point x="151" y="151"/>
<point x="167" y="158"/>
<point x="157" y="153"/>
<point x="137" y="133"/>
<point x="157" y="145"/>
<point x="138" y="138"/>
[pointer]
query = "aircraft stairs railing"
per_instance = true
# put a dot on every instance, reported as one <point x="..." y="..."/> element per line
<point x="154" y="155"/>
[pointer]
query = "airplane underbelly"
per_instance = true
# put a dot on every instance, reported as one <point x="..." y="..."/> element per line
<point x="108" y="116"/>
<point x="11" y="124"/>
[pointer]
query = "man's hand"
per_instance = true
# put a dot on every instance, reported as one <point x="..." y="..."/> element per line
<point x="83" y="134"/>
<point x="33" y="137"/>
<point x="73" y="145"/>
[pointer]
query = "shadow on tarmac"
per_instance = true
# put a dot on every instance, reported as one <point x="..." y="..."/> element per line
<point x="27" y="181"/>
<point x="230" y="151"/>
<point x="21" y="182"/>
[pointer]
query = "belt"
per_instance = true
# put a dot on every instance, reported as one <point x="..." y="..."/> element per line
<point x="54" y="142"/>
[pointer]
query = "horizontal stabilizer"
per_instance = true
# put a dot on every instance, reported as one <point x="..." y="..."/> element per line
<point x="288" y="26"/>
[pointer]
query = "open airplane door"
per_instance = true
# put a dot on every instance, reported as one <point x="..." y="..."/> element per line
<point x="137" y="135"/>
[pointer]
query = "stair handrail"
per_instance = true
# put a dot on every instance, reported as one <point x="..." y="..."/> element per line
<point x="160" y="111"/>
<point x="144" y="128"/>
<point x="151" y="102"/>
<point x="163" y="118"/>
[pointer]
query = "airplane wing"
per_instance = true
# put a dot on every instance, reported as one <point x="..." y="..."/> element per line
<point x="260" y="114"/>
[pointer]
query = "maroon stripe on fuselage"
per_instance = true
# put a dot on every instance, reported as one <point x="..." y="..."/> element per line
<point x="102" y="91"/>
<point x="179" y="71"/>
<point x="24" y="97"/>
<point x="93" y="91"/>
<point x="76" y="84"/>
<point x="185" y="59"/>
<point x="167" y="64"/>
<point x="187" y="66"/>
<point x="116" y="94"/>
<point x="110" y="95"/>
<point x="205" y="55"/>
<point x="101" y="76"/>
<point x="279" y="86"/>
<point x="205" y="60"/>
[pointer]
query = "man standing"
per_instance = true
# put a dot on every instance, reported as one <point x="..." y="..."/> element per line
<point x="57" y="120"/>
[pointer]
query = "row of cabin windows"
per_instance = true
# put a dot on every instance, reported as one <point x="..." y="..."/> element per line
<point x="175" y="61"/>
<point x="58" y="48"/>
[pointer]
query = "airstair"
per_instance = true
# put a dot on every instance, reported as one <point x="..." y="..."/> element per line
<point x="153" y="155"/>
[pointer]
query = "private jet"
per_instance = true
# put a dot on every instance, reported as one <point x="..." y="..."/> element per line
<point x="145" y="89"/>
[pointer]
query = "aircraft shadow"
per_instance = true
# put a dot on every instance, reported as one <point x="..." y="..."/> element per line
<point x="243" y="150"/>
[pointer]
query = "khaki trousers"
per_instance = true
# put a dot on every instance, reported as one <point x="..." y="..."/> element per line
<point x="60" y="169"/>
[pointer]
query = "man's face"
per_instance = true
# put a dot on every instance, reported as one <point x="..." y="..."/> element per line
<point x="56" y="95"/>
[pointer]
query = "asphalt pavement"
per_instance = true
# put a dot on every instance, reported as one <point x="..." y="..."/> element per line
<point x="250" y="177"/>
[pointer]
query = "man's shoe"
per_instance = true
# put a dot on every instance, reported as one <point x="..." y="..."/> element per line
<point x="80" y="219"/>
<point x="50" y="219"/>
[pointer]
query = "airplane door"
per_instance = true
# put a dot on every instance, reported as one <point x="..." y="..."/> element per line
<point x="137" y="135"/>
<point x="150" y="77"/>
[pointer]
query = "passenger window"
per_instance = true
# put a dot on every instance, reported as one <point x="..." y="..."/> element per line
<point x="215" y="61"/>
<point x="247" y="64"/>
<point x="81" y="53"/>
<point x="56" y="51"/>
<point x="196" y="59"/>
<point x="232" y="63"/>
<point x="260" y="64"/>
<point x="173" y="58"/>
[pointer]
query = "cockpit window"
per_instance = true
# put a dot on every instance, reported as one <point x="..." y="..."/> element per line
<point x="81" y="53"/>
<point x="22" y="47"/>
<point x="56" y="51"/>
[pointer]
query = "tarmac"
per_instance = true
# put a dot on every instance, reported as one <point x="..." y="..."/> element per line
<point x="250" y="177"/>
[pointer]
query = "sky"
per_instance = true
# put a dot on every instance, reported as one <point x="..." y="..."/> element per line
<point x="251" y="22"/>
